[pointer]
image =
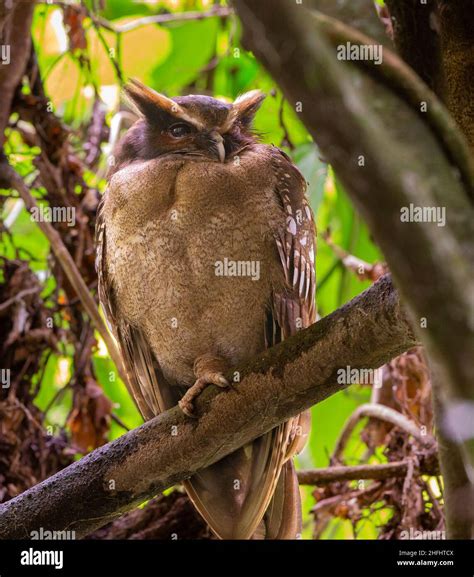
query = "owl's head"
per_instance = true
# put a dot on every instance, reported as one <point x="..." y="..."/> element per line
<point x="195" y="125"/>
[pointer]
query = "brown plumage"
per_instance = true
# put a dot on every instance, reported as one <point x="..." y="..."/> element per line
<point x="191" y="195"/>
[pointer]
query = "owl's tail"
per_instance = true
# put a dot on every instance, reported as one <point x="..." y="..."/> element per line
<point x="252" y="493"/>
<point x="282" y="519"/>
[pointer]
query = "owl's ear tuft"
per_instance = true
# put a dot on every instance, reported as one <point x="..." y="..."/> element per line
<point x="148" y="103"/>
<point x="246" y="105"/>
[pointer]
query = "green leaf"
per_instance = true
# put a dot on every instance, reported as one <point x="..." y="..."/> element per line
<point x="328" y="419"/>
<point x="28" y="236"/>
<point x="185" y="61"/>
<point x="306" y="157"/>
<point x="114" y="9"/>
<point x="116" y="391"/>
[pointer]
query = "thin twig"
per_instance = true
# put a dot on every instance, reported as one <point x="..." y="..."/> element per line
<point x="57" y="395"/>
<point x="41" y="375"/>
<point x="119" y="421"/>
<point x="332" y="501"/>
<point x="363" y="270"/>
<point x="355" y="473"/>
<point x="407" y="484"/>
<point x="97" y="27"/>
<point x="219" y="11"/>
<point x="383" y="413"/>
<point x="286" y="140"/>
<point x="18" y="297"/>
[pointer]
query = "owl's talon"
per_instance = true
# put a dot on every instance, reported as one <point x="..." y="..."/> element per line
<point x="221" y="381"/>
<point x="187" y="408"/>
<point x="186" y="403"/>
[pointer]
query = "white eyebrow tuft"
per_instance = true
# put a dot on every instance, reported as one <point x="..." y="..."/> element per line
<point x="137" y="93"/>
<point x="239" y="104"/>
<point x="247" y="96"/>
<point x="183" y="115"/>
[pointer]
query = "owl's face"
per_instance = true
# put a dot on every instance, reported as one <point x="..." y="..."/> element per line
<point x="195" y="126"/>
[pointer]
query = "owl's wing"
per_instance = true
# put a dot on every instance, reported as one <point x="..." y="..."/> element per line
<point x="293" y="309"/>
<point x="143" y="372"/>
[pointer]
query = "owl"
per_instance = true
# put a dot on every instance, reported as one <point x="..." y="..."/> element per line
<point x="205" y="258"/>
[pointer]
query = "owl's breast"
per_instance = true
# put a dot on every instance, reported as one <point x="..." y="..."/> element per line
<point x="194" y="259"/>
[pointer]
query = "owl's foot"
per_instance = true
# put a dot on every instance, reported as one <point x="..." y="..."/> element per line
<point x="209" y="370"/>
<point x="187" y="401"/>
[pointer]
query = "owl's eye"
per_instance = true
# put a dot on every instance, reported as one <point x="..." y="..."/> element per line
<point x="179" y="130"/>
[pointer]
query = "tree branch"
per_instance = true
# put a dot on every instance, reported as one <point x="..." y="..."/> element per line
<point x="435" y="38"/>
<point x="217" y="11"/>
<point x="416" y="39"/>
<point x="281" y="382"/>
<point x="384" y="413"/>
<point x="15" y="23"/>
<point x="456" y="23"/>
<point x="360" y="14"/>
<point x="458" y="490"/>
<point x="401" y="79"/>
<point x="357" y="472"/>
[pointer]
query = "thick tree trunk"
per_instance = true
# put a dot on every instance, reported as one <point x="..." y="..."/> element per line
<point x="392" y="152"/>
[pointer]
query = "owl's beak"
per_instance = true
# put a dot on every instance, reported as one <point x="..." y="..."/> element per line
<point x="219" y="145"/>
